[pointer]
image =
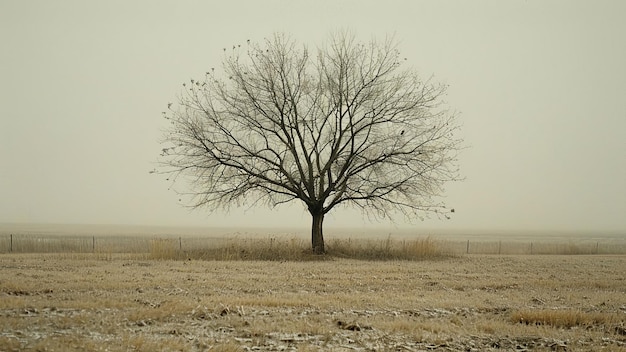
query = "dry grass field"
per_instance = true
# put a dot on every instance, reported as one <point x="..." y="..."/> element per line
<point x="149" y="302"/>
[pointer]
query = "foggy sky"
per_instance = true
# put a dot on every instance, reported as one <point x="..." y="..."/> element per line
<point x="540" y="87"/>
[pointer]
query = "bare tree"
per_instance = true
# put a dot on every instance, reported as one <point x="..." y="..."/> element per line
<point x="344" y="124"/>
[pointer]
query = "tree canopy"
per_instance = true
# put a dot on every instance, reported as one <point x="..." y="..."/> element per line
<point x="341" y="124"/>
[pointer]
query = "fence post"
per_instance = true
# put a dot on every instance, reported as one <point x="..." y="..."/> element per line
<point x="93" y="244"/>
<point x="467" y="250"/>
<point x="499" y="247"/>
<point x="11" y="246"/>
<point x="180" y="243"/>
<point x="597" y="245"/>
<point x="531" y="248"/>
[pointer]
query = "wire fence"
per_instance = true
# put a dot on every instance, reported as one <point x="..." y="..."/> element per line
<point x="25" y="243"/>
<point x="37" y="243"/>
<point x="536" y="247"/>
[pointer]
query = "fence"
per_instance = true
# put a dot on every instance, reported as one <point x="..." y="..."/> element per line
<point x="37" y="243"/>
<point x="536" y="247"/>
<point x="94" y="244"/>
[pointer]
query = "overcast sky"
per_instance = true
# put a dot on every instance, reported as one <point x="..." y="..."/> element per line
<point x="540" y="87"/>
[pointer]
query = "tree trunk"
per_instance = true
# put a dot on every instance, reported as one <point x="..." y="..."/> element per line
<point x="317" y="237"/>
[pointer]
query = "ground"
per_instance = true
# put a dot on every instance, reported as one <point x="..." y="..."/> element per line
<point x="91" y="302"/>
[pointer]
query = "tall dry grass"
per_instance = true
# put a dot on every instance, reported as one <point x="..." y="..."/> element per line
<point x="292" y="249"/>
<point x="564" y="318"/>
<point x="297" y="249"/>
<point x="388" y="249"/>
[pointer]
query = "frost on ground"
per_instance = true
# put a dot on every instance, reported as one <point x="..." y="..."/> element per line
<point x="203" y="328"/>
<point x="474" y="303"/>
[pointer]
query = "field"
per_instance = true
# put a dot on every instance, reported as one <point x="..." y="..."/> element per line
<point x="447" y="302"/>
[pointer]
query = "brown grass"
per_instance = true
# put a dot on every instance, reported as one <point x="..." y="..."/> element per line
<point x="565" y="318"/>
<point x="388" y="249"/>
<point x="71" y="302"/>
<point x="296" y="249"/>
